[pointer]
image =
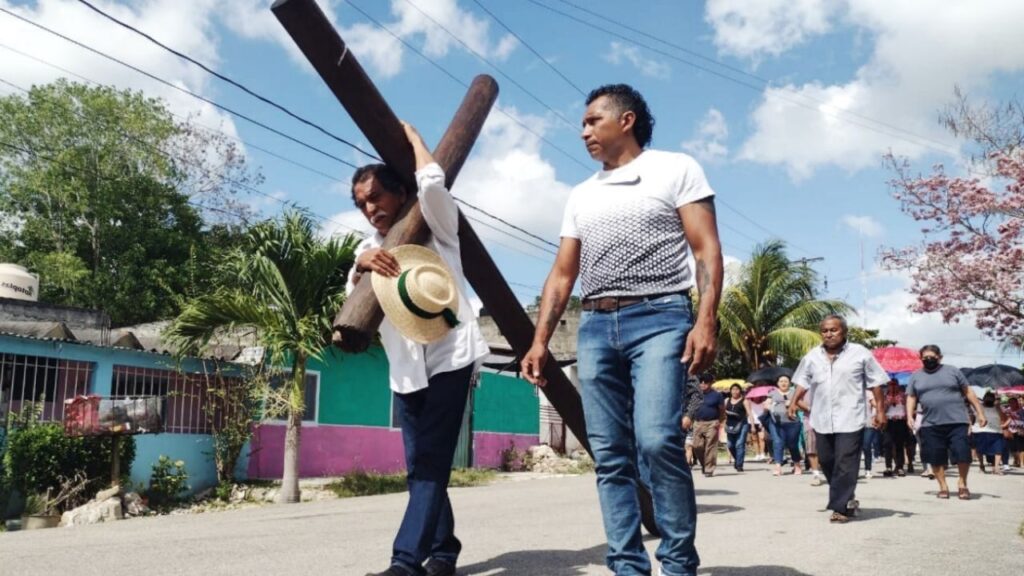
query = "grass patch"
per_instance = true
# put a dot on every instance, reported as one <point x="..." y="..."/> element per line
<point x="468" y="477"/>
<point x="1021" y="530"/>
<point x="370" y="483"/>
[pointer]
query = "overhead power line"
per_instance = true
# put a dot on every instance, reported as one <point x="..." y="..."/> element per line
<point x="459" y="81"/>
<point x="208" y="129"/>
<point x="180" y="89"/>
<point x="234" y="83"/>
<point x="815" y="104"/>
<point x="530" y="48"/>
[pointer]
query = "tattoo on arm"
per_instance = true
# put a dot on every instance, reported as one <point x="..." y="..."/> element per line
<point x="703" y="277"/>
<point x="554" y="313"/>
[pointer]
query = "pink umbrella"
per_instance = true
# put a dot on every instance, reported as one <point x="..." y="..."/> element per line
<point x="896" y="359"/>
<point x="759" y="392"/>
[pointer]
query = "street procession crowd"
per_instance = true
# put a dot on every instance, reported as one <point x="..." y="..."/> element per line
<point x="639" y="236"/>
<point x="982" y="423"/>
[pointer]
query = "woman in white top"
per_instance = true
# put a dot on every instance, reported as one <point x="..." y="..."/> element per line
<point x="896" y="433"/>
<point x="988" y="439"/>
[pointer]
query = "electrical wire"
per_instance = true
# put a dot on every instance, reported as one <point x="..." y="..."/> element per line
<point x="179" y="88"/>
<point x="530" y="48"/>
<point x="224" y="78"/>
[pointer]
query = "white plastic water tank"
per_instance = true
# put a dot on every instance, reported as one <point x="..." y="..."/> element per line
<point x="18" y="283"/>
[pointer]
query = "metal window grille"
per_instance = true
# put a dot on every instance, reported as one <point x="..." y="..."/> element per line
<point x="26" y="379"/>
<point x="189" y="405"/>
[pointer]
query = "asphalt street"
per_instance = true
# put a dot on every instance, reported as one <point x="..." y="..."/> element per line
<point x="749" y="524"/>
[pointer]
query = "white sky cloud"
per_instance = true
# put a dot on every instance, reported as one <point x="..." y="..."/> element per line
<point x="865" y="226"/>
<point x="752" y="29"/>
<point x="961" y="343"/>
<point x="376" y="48"/>
<point x="619" y="53"/>
<point x="919" y="54"/>
<point x="708" y="143"/>
<point x="190" y="31"/>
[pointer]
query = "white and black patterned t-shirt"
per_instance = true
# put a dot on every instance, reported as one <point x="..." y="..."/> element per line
<point x="631" y="236"/>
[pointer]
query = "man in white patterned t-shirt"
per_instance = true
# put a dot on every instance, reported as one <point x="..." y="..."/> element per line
<point x="627" y="234"/>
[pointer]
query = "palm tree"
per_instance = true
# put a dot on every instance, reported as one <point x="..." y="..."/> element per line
<point x="286" y="282"/>
<point x="773" y="310"/>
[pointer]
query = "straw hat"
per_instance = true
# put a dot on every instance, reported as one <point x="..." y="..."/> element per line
<point x="423" y="301"/>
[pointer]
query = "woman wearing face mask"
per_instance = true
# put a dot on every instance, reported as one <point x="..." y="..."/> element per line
<point x="941" y="390"/>
<point x="786" y="430"/>
<point x="988" y="438"/>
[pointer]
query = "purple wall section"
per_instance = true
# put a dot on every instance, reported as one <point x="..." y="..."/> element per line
<point x="328" y="450"/>
<point x="487" y="446"/>
<point x="338" y="450"/>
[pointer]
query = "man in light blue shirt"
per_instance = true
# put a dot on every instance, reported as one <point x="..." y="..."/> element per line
<point x="837" y="373"/>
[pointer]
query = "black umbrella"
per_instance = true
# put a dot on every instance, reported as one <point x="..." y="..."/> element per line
<point x="967" y="371"/>
<point x="769" y="374"/>
<point x="996" y="376"/>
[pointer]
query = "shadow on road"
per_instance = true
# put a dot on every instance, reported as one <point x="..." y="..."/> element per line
<point x="717" y="508"/>
<point x="876" y="513"/>
<point x="533" y="562"/>
<point x="750" y="571"/>
<point x="700" y="492"/>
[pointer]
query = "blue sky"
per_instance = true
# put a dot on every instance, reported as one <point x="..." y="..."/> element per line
<point x="819" y="91"/>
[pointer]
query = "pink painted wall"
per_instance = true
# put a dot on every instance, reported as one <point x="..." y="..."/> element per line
<point x="328" y="450"/>
<point x="487" y="446"/>
<point x="338" y="450"/>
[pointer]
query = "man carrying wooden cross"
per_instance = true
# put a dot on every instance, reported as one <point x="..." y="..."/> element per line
<point x="433" y="345"/>
<point x="627" y="232"/>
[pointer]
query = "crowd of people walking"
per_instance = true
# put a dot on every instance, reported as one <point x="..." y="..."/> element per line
<point x="931" y="421"/>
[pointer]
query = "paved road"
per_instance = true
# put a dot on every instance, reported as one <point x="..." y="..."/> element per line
<point x="750" y="525"/>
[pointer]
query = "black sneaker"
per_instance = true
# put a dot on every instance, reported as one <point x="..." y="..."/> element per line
<point x="437" y="567"/>
<point x="394" y="570"/>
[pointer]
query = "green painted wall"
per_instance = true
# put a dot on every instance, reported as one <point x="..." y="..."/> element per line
<point x="354" y="388"/>
<point x="506" y="404"/>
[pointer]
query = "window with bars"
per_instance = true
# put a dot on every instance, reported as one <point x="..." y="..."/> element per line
<point x="191" y="405"/>
<point x="26" y="379"/>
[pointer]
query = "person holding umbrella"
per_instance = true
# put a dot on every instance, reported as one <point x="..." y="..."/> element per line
<point x="786" y="426"/>
<point x="836" y="374"/>
<point x="940" y="389"/>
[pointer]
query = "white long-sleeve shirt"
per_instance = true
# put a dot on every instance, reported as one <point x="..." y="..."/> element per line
<point x="411" y="363"/>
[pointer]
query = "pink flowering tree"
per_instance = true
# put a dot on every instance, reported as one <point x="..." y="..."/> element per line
<point x="971" y="261"/>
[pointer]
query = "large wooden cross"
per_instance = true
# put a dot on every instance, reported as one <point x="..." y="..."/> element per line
<point x="361" y="314"/>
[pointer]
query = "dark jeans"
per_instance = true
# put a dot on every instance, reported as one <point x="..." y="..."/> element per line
<point x="894" y="443"/>
<point x="870" y="446"/>
<point x="431" y="419"/>
<point x="839" y="455"/>
<point x="786" y="435"/>
<point x="738" y="445"/>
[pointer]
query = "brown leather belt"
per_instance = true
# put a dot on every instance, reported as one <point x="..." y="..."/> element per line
<point x="612" y="303"/>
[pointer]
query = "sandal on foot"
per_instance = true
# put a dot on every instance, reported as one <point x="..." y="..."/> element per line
<point x="838" y="518"/>
<point x="943" y="495"/>
<point x="963" y="494"/>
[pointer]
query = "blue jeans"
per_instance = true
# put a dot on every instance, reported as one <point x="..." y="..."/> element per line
<point x="738" y="445"/>
<point x="633" y="384"/>
<point x="871" y="438"/>
<point x="786" y="435"/>
<point x="431" y="419"/>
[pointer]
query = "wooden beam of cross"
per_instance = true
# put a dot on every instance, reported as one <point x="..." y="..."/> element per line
<point x="361" y="315"/>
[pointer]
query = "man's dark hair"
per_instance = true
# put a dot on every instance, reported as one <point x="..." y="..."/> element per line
<point x="626" y="98"/>
<point x="387" y="178"/>
<point x="929" y="348"/>
<point x="706" y="377"/>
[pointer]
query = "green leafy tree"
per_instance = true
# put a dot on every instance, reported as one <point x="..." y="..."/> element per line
<point x="287" y="282"/>
<point x="773" y="309"/>
<point x="104" y="194"/>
